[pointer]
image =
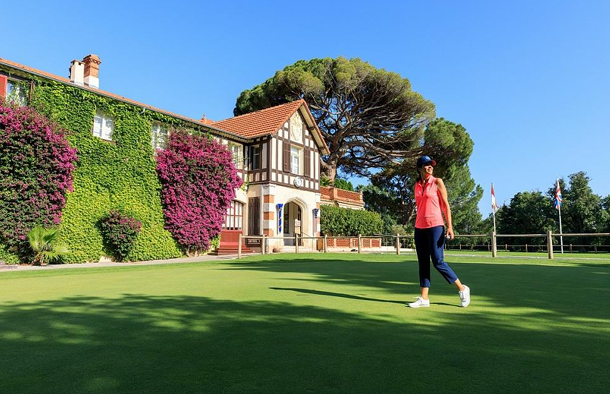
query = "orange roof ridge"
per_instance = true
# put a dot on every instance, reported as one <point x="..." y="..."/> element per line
<point x="264" y="109"/>
<point x="261" y="122"/>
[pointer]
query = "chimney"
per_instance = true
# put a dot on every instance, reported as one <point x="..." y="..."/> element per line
<point x="205" y="120"/>
<point x="77" y="72"/>
<point x="92" y="69"/>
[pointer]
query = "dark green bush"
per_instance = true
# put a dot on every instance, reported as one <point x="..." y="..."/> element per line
<point x="119" y="232"/>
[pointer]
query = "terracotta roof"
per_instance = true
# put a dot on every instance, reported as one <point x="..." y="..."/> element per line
<point x="268" y="121"/>
<point x="263" y="122"/>
<point x="115" y="96"/>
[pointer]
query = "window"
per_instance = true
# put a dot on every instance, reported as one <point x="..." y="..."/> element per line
<point x="295" y="160"/>
<point x="103" y="126"/>
<point x="160" y="136"/>
<point x="236" y="151"/>
<point x="234" y="218"/>
<point x="15" y="93"/>
<point x="256" y="157"/>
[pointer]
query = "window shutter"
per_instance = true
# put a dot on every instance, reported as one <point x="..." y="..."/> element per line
<point x="286" y="156"/>
<point x="307" y="163"/>
<point x="3" y="85"/>
<point x="254" y="227"/>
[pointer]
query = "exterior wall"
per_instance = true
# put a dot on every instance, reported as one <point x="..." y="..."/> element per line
<point x="271" y="195"/>
<point x="341" y="198"/>
<point x="294" y="133"/>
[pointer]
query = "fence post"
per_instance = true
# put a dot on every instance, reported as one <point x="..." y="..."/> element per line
<point x="570" y="248"/>
<point x="359" y="242"/>
<point x="325" y="246"/>
<point x="494" y="245"/>
<point x="264" y="244"/>
<point x="549" y="243"/>
<point x="525" y="248"/>
<point x="397" y="243"/>
<point x="296" y="243"/>
<point x="239" y="248"/>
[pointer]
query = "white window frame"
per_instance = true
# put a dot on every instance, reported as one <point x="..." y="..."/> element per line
<point x="295" y="160"/>
<point x="103" y="126"/>
<point x="159" y="136"/>
<point x="15" y="93"/>
<point x="237" y="151"/>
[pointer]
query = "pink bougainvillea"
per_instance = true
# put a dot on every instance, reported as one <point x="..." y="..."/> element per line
<point x="198" y="181"/>
<point x="36" y="166"/>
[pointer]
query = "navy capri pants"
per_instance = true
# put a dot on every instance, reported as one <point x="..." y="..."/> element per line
<point x="429" y="243"/>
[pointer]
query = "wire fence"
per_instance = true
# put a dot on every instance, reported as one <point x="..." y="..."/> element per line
<point x="550" y="243"/>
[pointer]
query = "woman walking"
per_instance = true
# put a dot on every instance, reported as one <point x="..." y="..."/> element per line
<point x="432" y="203"/>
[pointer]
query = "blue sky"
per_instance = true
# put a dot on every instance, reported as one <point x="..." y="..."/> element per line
<point x="528" y="79"/>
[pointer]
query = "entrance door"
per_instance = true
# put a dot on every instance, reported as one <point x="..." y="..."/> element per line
<point x="292" y="223"/>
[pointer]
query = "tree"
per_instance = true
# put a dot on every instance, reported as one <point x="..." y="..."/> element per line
<point x="391" y="190"/>
<point x="582" y="211"/>
<point x="527" y="213"/>
<point x="369" y="117"/>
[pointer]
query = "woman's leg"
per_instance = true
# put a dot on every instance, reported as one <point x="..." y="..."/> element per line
<point x="422" y="246"/>
<point x="437" y="242"/>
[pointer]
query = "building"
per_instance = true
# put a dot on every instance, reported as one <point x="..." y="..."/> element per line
<point x="277" y="152"/>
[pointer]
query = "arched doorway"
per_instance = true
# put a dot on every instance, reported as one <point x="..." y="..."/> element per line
<point x="292" y="222"/>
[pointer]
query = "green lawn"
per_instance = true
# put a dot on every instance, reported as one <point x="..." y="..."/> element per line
<point x="307" y="323"/>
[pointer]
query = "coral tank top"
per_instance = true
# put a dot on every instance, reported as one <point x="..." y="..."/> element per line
<point x="428" y="201"/>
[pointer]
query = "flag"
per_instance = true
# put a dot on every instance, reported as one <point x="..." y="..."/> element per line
<point x="494" y="206"/>
<point x="558" y="196"/>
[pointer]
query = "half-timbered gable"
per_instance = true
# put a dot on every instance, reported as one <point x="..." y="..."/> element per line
<point x="282" y="170"/>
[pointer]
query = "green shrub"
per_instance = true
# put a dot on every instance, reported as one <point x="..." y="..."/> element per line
<point x="44" y="245"/>
<point x="349" y="222"/>
<point x="119" y="232"/>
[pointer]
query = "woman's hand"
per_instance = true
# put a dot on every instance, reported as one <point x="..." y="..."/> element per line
<point x="450" y="234"/>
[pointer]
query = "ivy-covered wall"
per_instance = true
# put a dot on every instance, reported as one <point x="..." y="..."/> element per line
<point x="118" y="174"/>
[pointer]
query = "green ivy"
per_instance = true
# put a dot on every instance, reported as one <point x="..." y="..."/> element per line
<point x="111" y="175"/>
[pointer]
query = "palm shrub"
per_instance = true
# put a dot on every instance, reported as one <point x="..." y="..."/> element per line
<point x="119" y="232"/>
<point x="44" y="246"/>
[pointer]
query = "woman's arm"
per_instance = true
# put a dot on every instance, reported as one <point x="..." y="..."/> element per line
<point x="445" y="206"/>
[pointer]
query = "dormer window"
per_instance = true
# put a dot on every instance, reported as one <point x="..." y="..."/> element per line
<point x="160" y="136"/>
<point x="103" y="125"/>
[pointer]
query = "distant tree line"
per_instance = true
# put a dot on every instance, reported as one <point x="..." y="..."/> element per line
<point x="533" y="212"/>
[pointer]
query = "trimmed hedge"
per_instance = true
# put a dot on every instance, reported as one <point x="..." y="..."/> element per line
<point x="349" y="222"/>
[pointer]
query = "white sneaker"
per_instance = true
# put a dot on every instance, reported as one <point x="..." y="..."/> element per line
<point x="420" y="303"/>
<point x="465" y="296"/>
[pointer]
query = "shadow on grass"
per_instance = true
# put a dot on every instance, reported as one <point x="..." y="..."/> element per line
<point x="186" y="344"/>
<point x="573" y="290"/>
<point x="333" y="294"/>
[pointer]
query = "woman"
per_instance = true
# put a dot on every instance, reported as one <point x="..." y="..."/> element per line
<point x="431" y="201"/>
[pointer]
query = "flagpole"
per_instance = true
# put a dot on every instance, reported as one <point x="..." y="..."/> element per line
<point x="494" y="206"/>
<point x="560" y="230"/>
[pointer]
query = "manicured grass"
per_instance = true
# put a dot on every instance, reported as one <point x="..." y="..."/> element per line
<point x="307" y="324"/>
